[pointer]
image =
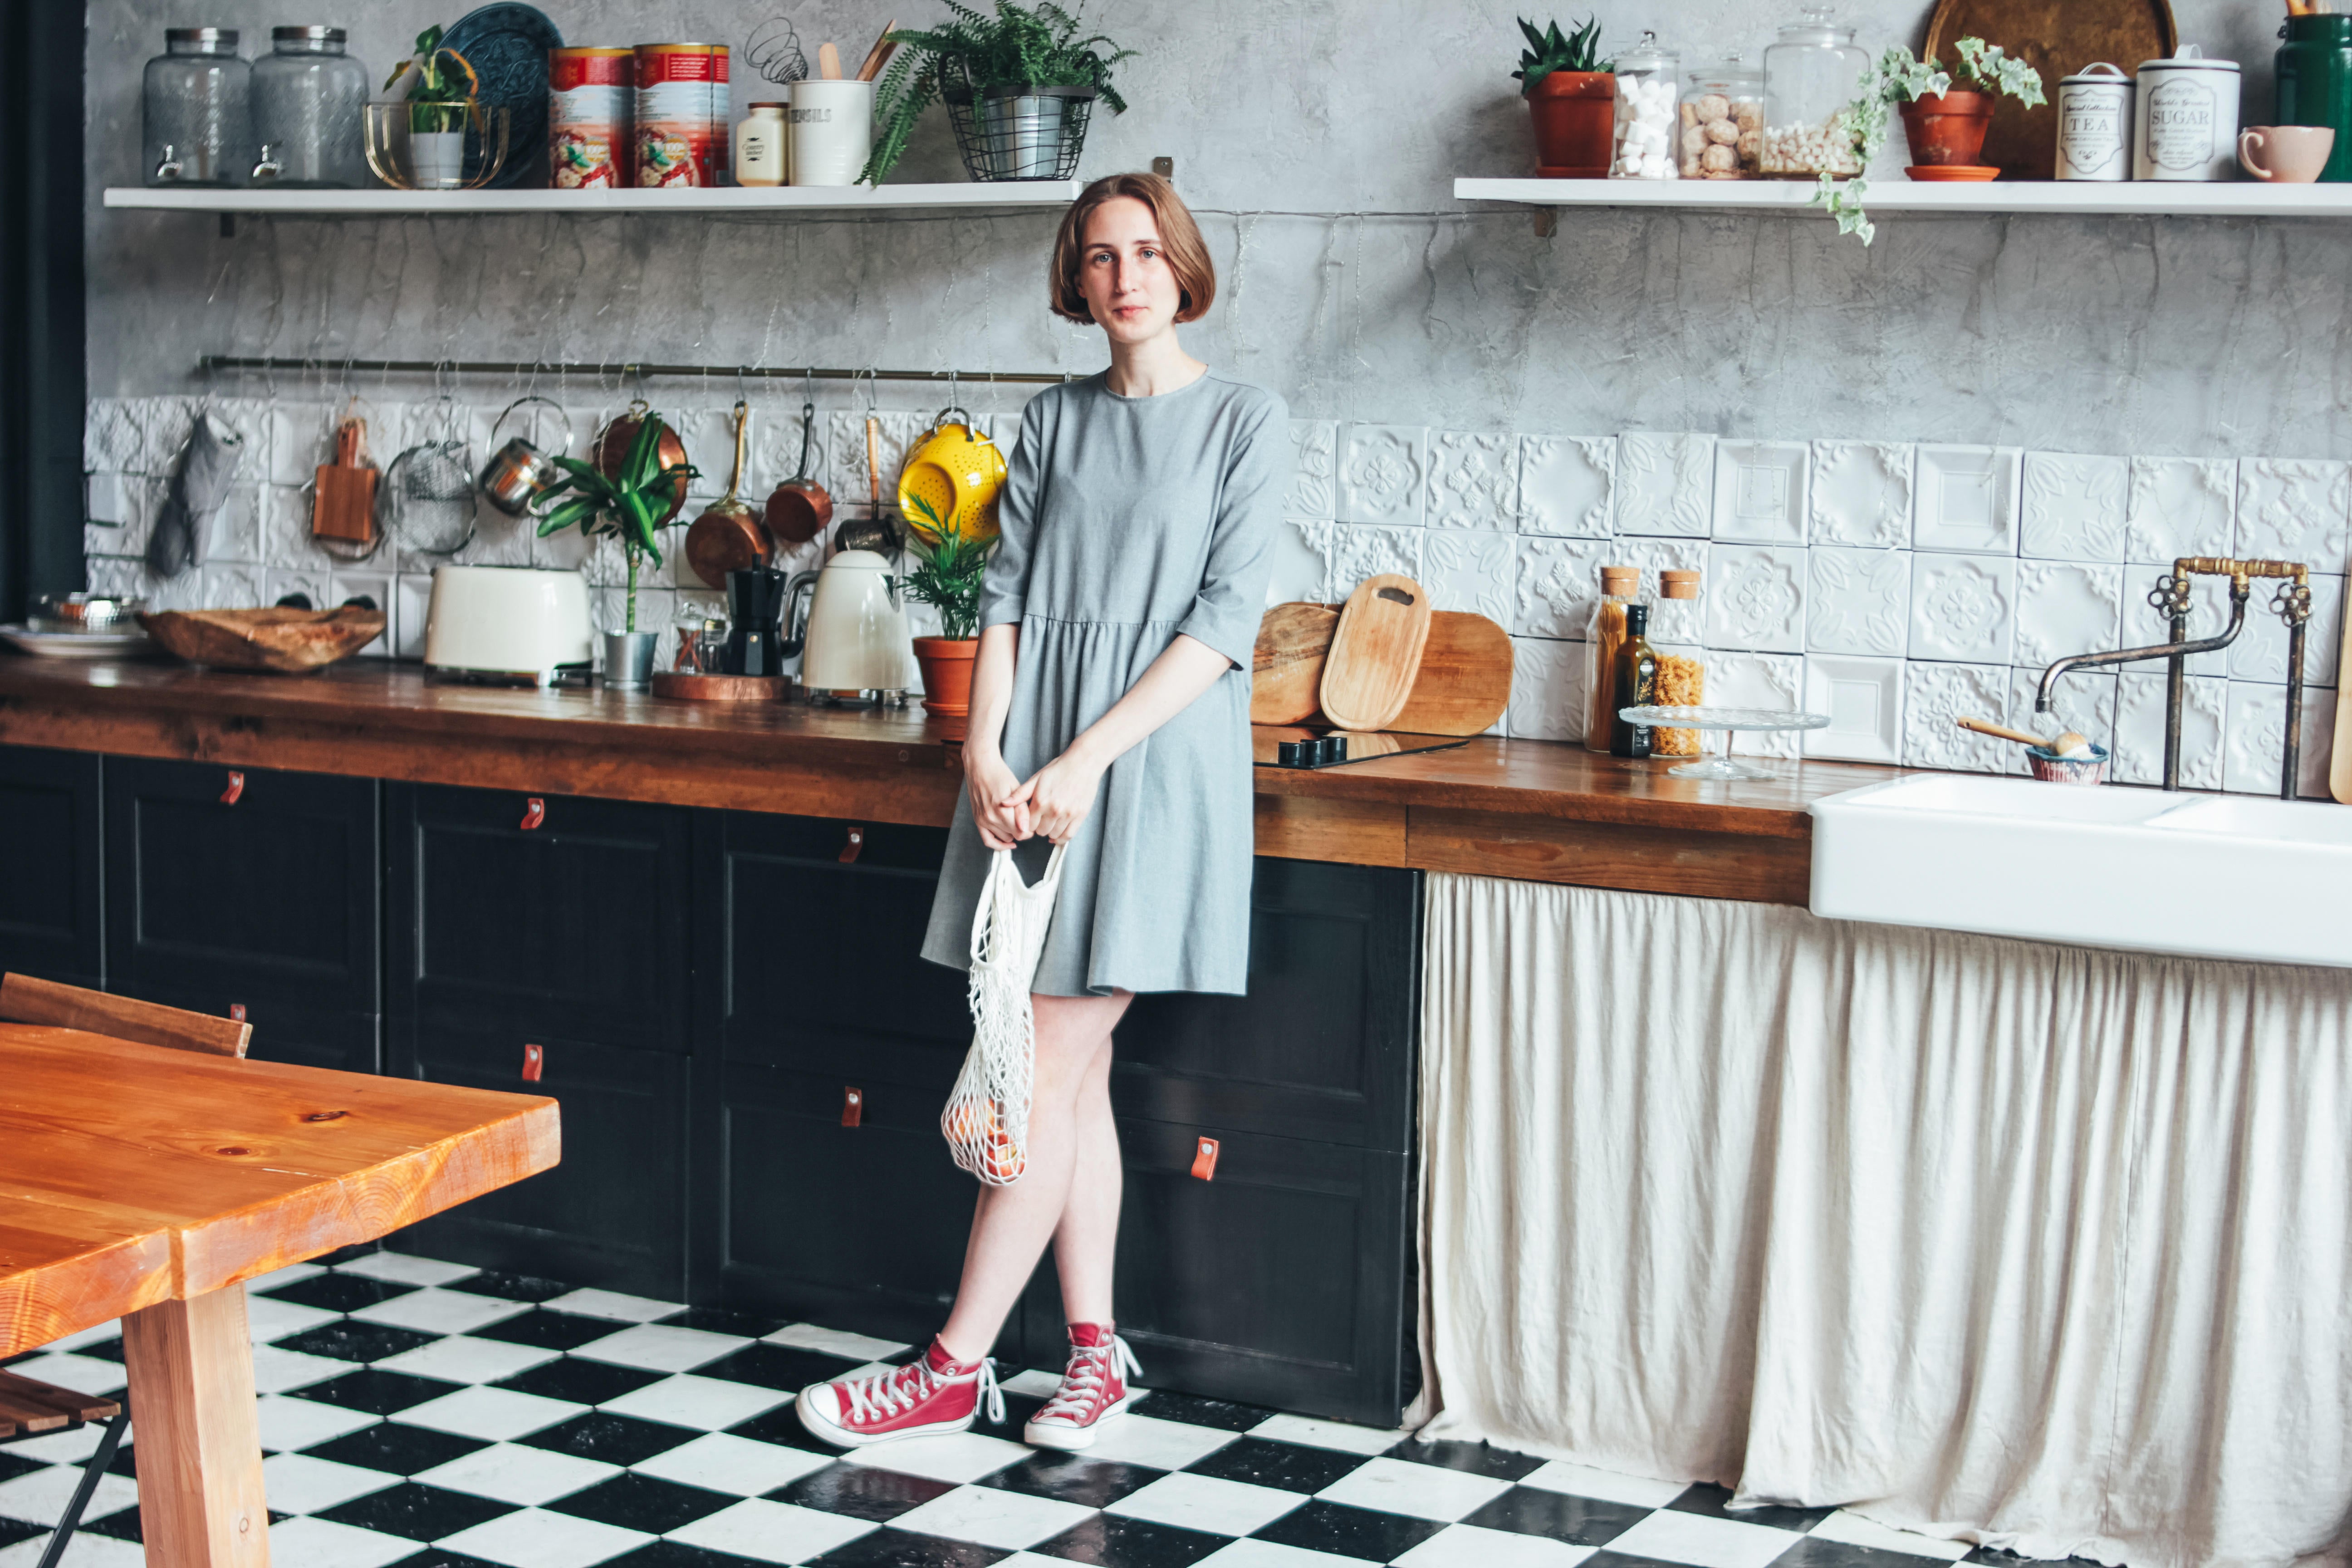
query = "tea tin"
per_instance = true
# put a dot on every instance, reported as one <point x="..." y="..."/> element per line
<point x="2094" y="124"/>
<point x="2185" y="119"/>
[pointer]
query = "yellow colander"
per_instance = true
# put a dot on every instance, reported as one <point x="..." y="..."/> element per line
<point x="958" y="473"/>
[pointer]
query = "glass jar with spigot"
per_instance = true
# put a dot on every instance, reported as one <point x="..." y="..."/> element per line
<point x="196" y="117"/>
<point x="308" y="97"/>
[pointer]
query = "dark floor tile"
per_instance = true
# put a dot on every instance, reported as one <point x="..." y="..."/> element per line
<point x="1291" y="1465"/>
<point x="1223" y="1414"/>
<point x="13" y="1530"/>
<point x="546" y="1331"/>
<point x="338" y="1292"/>
<point x="862" y="1491"/>
<point x="125" y="1462"/>
<point x="904" y="1549"/>
<point x="123" y="1524"/>
<point x="396" y="1448"/>
<point x="1109" y="1542"/>
<point x="1578" y="1521"/>
<point x="782" y="1425"/>
<point x="358" y="1250"/>
<point x="643" y="1502"/>
<point x="581" y="1381"/>
<point x="1348" y="1531"/>
<point x="1018" y="1408"/>
<point x="510" y="1288"/>
<point x="103" y="1350"/>
<point x="670" y="1554"/>
<point x="1605" y="1558"/>
<point x="1477" y="1458"/>
<point x="417" y="1512"/>
<point x="1074" y="1477"/>
<point x="11" y="1465"/>
<point x="1705" y="1497"/>
<point x="1810" y="1552"/>
<point x="720" y="1320"/>
<point x="435" y="1557"/>
<point x="349" y="1339"/>
<point x="615" y="1439"/>
<point x="785" y="1368"/>
<point x="378" y="1393"/>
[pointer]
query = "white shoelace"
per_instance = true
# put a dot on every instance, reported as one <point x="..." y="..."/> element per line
<point x="882" y="1395"/>
<point x="1083" y="1379"/>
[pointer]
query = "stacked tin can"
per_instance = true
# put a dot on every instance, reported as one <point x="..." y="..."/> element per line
<point x="682" y="114"/>
<point x="588" y="94"/>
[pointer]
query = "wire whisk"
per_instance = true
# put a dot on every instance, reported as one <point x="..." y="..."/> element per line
<point x="774" y="52"/>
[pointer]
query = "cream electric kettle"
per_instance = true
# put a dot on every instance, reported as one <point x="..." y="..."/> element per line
<point x="854" y="639"/>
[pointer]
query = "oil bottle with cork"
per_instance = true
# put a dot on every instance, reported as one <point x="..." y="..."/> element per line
<point x="1604" y="634"/>
<point x="1634" y="685"/>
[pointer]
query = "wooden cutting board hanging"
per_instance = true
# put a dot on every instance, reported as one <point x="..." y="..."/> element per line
<point x="2058" y="38"/>
<point x="2339" y="771"/>
<point x="1464" y="680"/>
<point x="1287" y="666"/>
<point x="1376" y="653"/>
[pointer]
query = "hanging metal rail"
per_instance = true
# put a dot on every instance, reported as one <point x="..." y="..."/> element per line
<point x="622" y="370"/>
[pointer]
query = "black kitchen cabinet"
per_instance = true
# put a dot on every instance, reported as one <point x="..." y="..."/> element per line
<point x="51" y="886"/>
<point x="557" y="923"/>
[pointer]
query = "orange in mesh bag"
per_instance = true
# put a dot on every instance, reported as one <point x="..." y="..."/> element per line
<point x="986" y="1123"/>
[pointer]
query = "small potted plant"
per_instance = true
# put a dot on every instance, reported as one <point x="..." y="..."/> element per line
<point x="949" y="567"/>
<point x="1944" y="123"/>
<point x="441" y="96"/>
<point x="628" y="505"/>
<point x="1018" y="84"/>
<point x="1572" y="97"/>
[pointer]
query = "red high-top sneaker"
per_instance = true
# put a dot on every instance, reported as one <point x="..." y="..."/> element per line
<point x="1092" y="1392"/>
<point x="937" y="1393"/>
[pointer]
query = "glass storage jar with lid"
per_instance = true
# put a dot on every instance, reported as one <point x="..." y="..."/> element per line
<point x="1675" y="636"/>
<point x="195" y="112"/>
<point x="1810" y="74"/>
<point x="1647" y="90"/>
<point x="1721" y="134"/>
<point x="307" y="99"/>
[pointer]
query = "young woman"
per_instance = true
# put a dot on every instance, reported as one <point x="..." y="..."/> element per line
<point x="1109" y="713"/>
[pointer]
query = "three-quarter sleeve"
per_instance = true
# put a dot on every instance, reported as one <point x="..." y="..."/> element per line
<point x="1004" y="590"/>
<point x="1226" y="612"/>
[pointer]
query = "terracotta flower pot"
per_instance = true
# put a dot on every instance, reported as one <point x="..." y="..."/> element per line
<point x="1947" y="130"/>
<point x="1575" y="115"/>
<point x="947" y="665"/>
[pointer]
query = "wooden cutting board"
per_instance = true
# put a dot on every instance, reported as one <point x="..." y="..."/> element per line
<point x="1376" y="652"/>
<point x="2339" y="771"/>
<point x="1287" y="666"/>
<point x="1464" y="681"/>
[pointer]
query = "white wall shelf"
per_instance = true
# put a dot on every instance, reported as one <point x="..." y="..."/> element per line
<point x="2248" y="198"/>
<point x="781" y="200"/>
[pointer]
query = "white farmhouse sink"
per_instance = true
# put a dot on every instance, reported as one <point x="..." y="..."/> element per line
<point x="2269" y="882"/>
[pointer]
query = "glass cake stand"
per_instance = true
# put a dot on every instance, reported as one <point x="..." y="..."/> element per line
<point x="1730" y="720"/>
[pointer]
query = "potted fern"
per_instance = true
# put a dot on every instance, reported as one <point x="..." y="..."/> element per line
<point x="627" y="505"/>
<point x="1572" y="97"/>
<point x="1019" y="87"/>
<point x="949" y="567"/>
<point x="1945" y="117"/>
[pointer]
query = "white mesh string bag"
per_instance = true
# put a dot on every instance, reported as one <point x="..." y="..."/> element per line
<point x="986" y="1121"/>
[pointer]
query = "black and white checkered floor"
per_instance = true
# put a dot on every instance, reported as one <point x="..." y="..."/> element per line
<point x="430" y="1415"/>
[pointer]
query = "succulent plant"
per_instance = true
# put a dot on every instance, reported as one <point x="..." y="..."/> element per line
<point x="1548" y="51"/>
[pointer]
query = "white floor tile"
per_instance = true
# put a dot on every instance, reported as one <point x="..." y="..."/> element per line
<point x="721" y="1463"/>
<point x="402" y="1269"/>
<point x="277" y="1370"/>
<point x="86" y="1551"/>
<point x="70" y="1446"/>
<point x="291" y="1422"/>
<point x="39" y="1497"/>
<point x="441" y="1312"/>
<point x="1206" y="1504"/>
<point x="461" y="1358"/>
<point x="303" y="1483"/>
<point x="97" y="1333"/>
<point x="267" y="1317"/>
<point x="834" y="1341"/>
<point x="1471" y="1546"/>
<point x="993" y="1518"/>
<point x="536" y="1539"/>
<point x="82" y="1373"/>
<point x="658" y="1349"/>
<point x="1162" y="1445"/>
<point x="510" y="1472"/>
<point x="497" y="1415"/>
<point x="1606" y="1486"/>
<point x="1703" y="1542"/>
<point x="1264" y="1554"/>
<point x="1365" y="1440"/>
<point x="705" y="1403"/>
<point x="772" y="1531"/>
<point x="613" y="1304"/>
<point x="320" y="1543"/>
<point x="1424" y="1491"/>
<point x="957" y="1457"/>
<point x="1035" y="1384"/>
<point x="1853" y="1529"/>
<point x="277" y="1280"/>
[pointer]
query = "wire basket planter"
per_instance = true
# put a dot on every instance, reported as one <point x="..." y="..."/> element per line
<point x="1019" y="132"/>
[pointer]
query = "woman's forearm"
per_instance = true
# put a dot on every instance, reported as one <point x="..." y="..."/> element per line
<point x="1183" y="671"/>
<point x="991" y="688"/>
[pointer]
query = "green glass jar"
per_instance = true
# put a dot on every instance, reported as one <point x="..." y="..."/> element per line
<point x="2315" y="83"/>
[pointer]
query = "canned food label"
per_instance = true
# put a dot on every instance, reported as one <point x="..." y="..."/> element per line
<point x="587" y="117"/>
<point x="2181" y="117"/>
<point x="681" y="130"/>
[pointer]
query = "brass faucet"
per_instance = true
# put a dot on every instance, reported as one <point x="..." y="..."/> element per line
<point x="2292" y="605"/>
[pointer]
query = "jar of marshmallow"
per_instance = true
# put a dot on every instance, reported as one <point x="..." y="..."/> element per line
<point x="1648" y="91"/>
<point x="1720" y="135"/>
<point x="1810" y="75"/>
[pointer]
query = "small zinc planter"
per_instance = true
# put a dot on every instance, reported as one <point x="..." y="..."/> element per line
<point x="1575" y="118"/>
<point x="947" y="665"/>
<point x="1946" y="129"/>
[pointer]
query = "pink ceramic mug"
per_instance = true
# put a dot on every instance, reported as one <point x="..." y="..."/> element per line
<point x="2291" y="154"/>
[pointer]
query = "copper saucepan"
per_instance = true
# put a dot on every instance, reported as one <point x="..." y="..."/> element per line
<point x="800" y="508"/>
<point x="611" y="450"/>
<point x="727" y="537"/>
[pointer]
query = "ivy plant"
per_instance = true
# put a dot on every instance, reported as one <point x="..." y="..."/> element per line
<point x="1018" y="47"/>
<point x="1898" y="77"/>
<point x="1548" y="51"/>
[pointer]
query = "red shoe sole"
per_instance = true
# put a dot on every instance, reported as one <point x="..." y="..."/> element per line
<point x="1069" y="1440"/>
<point x="843" y="1437"/>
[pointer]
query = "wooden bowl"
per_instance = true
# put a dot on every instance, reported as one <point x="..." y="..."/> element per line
<point x="287" y="640"/>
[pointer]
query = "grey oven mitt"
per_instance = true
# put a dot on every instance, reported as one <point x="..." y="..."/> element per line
<point x="208" y="464"/>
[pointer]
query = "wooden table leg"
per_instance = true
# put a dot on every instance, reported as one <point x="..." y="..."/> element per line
<point x="195" y="1433"/>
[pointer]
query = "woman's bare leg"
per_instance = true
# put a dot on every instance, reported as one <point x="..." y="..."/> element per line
<point x="1086" y="1241"/>
<point x="1011" y="1225"/>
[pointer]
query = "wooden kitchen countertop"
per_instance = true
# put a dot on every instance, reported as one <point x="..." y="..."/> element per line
<point x="1533" y="809"/>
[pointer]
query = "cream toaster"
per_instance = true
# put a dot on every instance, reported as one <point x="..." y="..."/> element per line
<point x="507" y="622"/>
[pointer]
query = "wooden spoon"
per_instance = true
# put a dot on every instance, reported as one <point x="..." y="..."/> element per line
<point x="2064" y="743"/>
<point x="880" y="52"/>
<point x="828" y="62"/>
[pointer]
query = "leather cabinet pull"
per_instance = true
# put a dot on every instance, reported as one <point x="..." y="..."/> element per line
<point x="237" y="1012"/>
<point x="1204" y="1161"/>
<point x="853" y="1105"/>
<point x="849" y="851"/>
<point x="534" y="812"/>
<point x="235" y="788"/>
<point x="534" y="1057"/>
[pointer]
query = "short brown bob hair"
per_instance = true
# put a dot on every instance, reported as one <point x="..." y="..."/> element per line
<point x="1179" y="237"/>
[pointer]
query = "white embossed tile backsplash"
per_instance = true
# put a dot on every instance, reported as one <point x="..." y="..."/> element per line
<point x="1894" y="586"/>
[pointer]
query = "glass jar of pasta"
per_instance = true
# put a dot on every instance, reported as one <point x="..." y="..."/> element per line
<point x="1681" y="663"/>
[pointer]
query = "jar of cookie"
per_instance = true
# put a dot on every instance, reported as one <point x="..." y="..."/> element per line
<point x="1720" y="131"/>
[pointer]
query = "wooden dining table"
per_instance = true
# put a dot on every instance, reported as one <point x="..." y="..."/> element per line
<point x="149" y="1185"/>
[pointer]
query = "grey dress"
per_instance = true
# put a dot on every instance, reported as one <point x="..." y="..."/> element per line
<point x="1126" y="522"/>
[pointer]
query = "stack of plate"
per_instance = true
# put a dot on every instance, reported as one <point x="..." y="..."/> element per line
<point x="80" y="626"/>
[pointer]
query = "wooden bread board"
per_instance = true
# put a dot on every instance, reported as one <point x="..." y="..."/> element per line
<point x="1376" y="652"/>
<point x="1287" y="665"/>
<point x="1464" y="681"/>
